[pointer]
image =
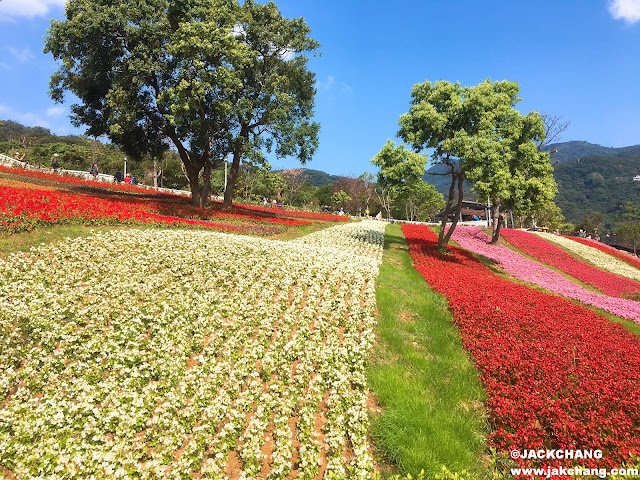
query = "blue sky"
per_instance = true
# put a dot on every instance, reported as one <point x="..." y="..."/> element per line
<point x="575" y="59"/>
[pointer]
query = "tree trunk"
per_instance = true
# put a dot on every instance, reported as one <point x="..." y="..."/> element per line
<point x="194" y="186"/>
<point x="231" y="180"/>
<point x="443" y="239"/>
<point x="206" y="190"/>
<point x="191" y="169"/>
<point x="155" y="172"/>
<point x="387" y="205"/>
<point x="497" y="221"/>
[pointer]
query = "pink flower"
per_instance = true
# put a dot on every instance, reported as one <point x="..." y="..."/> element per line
<point x="474" y="239"/>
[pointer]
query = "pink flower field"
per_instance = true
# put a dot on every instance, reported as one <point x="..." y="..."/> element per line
<point x="555" y="256"/>
<point x="515" y="264"/>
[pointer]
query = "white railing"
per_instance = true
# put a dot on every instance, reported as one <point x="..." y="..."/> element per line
<point x="101" y="177"/>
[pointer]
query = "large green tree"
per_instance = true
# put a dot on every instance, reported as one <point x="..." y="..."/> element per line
<point x="214" y="78"/>
<point x="477" y="133"/>
<point x="506" y="166"/>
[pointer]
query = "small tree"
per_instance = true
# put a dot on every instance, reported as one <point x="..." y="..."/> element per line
<point x="368" y="189"/>
<point x="398" y="167"/>
<point x="592" y="223"/>
<point x="340" y="199"/>
<point x="295" y="179"/>
<point x="419" y="201"/>
<point x="549" y="215"/>
<point x="629" y="229"/>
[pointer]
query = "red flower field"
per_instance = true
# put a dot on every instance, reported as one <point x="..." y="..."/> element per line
<point x="557" y="375"/>
<point x="175" y="201"/>
<point x="555" y="256"/>
<point x="23" y="208"/>
<point x="33" y="197"/>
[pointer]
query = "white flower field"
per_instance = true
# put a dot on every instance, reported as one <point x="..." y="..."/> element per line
<point x="598" y="258"/>
<point x="189" y="354"/>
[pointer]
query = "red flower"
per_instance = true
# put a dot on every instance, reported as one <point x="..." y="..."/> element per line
<point x="552" y="255"/>
<point x="557" y="375"/>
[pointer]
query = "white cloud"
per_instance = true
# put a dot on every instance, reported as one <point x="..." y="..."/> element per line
<point x="23" y="55"/>
<point x="55" y="111"/>
<point x="628" y="10"/>
<point x="10" y="9"/>
<point x="26" y="118"/>
<point x="333" y="86"/>
<point x="288" y="55"/>
<point x="54" y="118"/>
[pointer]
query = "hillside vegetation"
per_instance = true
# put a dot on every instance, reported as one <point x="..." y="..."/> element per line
<point x="37" y="145"/>
<point x="591" y="179"/>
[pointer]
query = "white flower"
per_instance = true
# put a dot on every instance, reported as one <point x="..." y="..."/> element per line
<point x="199" y="344"/>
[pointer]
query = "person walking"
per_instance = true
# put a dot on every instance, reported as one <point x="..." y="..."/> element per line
<point x="54" y="162"/>
<point x="94" y="170"/>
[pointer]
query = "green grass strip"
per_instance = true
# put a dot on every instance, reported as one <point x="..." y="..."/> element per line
<point x="425" y="383"/>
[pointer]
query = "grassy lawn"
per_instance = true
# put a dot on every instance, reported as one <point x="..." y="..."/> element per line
<point x="428" y="390"/>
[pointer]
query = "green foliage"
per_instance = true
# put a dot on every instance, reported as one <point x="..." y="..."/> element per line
<point x="212" y="77"/>
<point x="589" y="185"/>
<point x="340" y="199"/>
<point x="398" y="165"/>
<point x="592" y="223"/>
<point x="503" y="163"/>
<point x="567" y="228"/>
<point x="400" y="180"/>
<point x="324" y="194"/>
<point x="418" y="200"/>
<point x="548" y="215"/>
<point x="629" y="228"/>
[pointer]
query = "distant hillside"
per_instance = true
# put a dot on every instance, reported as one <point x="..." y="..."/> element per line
<point x="318" y="178"/>
<point x="567" y="151"/>
<point x="591" y="179"/>
<point x="38" y="145"/>
<point x="597" y="184"/>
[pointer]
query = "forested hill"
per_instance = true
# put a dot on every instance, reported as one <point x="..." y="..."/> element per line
<point x="37" y="145"/>
<point x="597" y="184"/>
<point x="591" y="179"/>
<point x="318" y="178"/>
<point x="567" y="151"/>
